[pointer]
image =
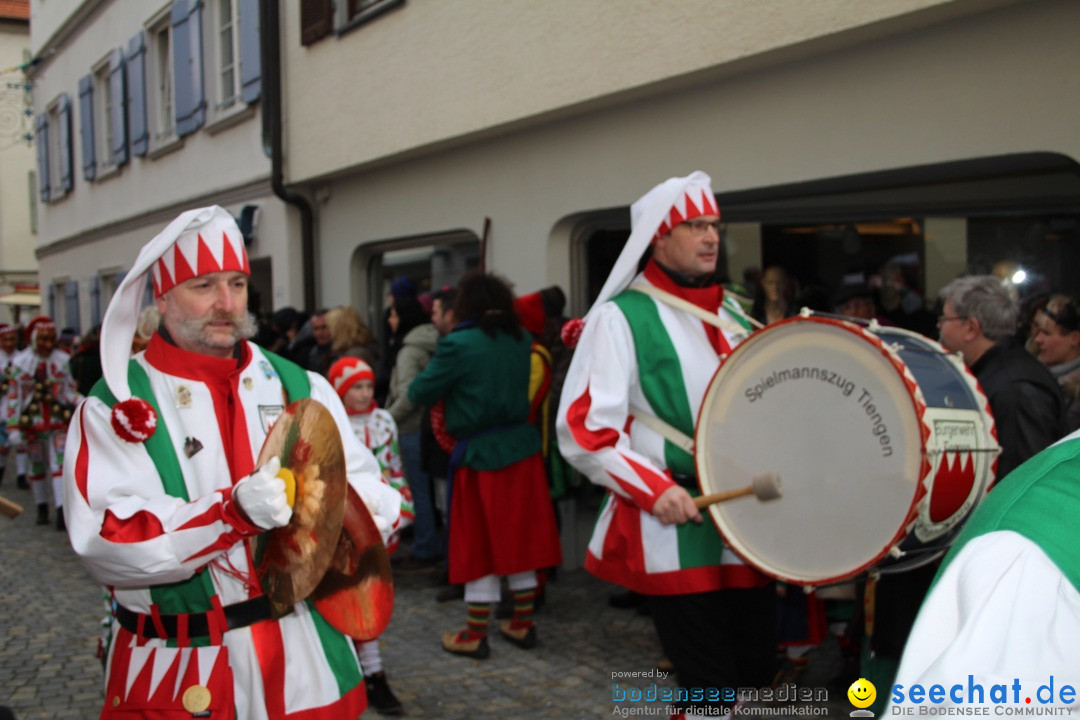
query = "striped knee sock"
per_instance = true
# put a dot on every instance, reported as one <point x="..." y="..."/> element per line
<point x="479" y="613"/>
<point x="523" y="608"/>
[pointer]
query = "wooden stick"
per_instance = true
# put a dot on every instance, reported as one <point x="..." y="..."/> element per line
<point x="765" y="486"/>
<point x="703" y="501"/>
<point x="9" y="508"/>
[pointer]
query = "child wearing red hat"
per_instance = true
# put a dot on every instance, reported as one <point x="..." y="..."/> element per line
<point x="354" y="381"/>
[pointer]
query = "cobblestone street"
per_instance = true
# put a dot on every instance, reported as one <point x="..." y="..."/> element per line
<point x="50" y="611"/>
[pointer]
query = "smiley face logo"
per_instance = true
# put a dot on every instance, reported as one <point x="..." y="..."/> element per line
<point x="862" y="693"/>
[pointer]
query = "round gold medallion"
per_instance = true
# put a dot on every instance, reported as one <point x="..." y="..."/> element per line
<point x="116" y="701"/>
<point x="196" y="699"/>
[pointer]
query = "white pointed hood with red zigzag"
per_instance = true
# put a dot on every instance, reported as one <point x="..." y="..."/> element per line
<point x="196" y="243"/>
<point x="673" y="201"/>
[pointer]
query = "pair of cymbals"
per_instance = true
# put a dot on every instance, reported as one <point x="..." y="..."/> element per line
<point x="331" y="551"/>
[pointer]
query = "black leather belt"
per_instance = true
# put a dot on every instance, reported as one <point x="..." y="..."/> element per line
<point x="687" y="481"/>
<point x="237" y="615"/>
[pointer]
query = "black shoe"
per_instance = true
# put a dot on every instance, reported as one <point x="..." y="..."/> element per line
<point x="450" y="592"/>
<point x="413" y="565"/>
<point x="461" y="643"/>
<point x="43" y="514"/>
<point x="380" y="696"/>
<point x="524" y="638"/>
<point x="60" y="525"/>
<point x="21" y="483"/>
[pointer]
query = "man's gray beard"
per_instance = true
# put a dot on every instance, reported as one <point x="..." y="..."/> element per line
<point x="191" y="331"/>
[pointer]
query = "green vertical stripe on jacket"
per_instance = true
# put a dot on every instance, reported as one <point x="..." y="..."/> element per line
<point x="191" y="595"/>
<point x="339" y="654"/>
<point x="661" y="377"/>
<point x="185" y="596"/>
<point x="660" y="373"/>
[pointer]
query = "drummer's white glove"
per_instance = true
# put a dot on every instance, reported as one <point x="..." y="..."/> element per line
<point x="261" y="496"/>
<point x="382" y="524"/>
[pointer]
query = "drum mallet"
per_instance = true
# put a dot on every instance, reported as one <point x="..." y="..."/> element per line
<point x="9" y="508"/>
<point x="765" y="486"/>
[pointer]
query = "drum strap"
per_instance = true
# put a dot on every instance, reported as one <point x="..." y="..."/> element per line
<point x="722" y="322"/>
<point x="667" y="431"/>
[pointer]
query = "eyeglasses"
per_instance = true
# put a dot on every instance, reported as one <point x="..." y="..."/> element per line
<point x="700" y="227"/>
<point x="942" y="319"/>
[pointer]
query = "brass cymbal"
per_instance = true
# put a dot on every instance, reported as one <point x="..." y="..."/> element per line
<point x="290" y="561"/>
<point x="356" y="596"/>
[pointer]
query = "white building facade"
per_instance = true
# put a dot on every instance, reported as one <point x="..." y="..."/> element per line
<point x="429" y="137"/>
<point x="144" y="109"/>
<point x="18" y="265"/>
<point x="846" y="130"/>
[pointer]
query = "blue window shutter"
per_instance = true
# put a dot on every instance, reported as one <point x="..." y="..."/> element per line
<point x="41" y="132"/>
<point x="86" y="126"/>
<point x="250" y="68"/>
<point x="95" y="300"/>
<point x="187" y="65"/>
<point x="71" y="305"/>
<point x="117" y="113"/>
<point x="136" y="87"/>
<point x="52" y="301"/>
<point x="67" y="176"/>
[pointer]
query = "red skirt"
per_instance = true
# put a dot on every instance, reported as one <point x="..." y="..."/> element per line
<point x="502" y="521"/>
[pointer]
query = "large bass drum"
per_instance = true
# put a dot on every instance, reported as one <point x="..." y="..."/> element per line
<point x="883" y="442"/>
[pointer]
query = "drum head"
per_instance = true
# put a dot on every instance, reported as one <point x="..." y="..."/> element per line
<point x="830" y="409"/>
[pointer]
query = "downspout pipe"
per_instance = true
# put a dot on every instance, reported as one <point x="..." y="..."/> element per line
<point x="270" y="51"/>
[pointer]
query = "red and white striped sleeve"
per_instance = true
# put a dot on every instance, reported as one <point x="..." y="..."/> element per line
<point x="594" y="418"/>
<point x="128" y="531"/>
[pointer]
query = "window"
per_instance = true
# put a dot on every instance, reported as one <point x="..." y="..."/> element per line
<point x="357" y="8"/>
<point x="160" y="98"/>
<point x="64" y="303"/>
<point x="232" y="58"/>
<point x="102" y="288"/>
<point x="357" y="12"/>
<point x="227" y="45"/>
<point x="53" y="136"/>
<point x="102" y="119"/>
<point x="318" y="18"/>
<point x="72" y="308"/>
<point x="103" y="139"/>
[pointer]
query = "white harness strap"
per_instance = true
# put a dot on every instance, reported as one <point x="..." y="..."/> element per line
<point x="662" y="428"/>
<point x="679" y="304"/>
<point x="669" y="432"/>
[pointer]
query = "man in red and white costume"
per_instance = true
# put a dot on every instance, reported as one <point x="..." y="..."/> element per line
<point x="643" y="357"/>
<point x="8" y="341"/>
<point x="172" y="544"/>
<point x="41" y="393"/>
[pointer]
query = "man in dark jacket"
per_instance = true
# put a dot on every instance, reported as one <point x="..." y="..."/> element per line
<point x="979" y="321"/>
